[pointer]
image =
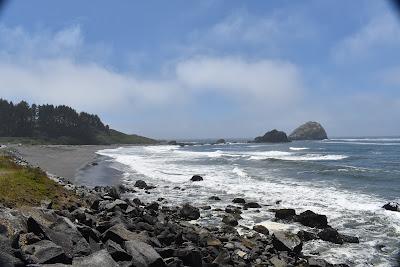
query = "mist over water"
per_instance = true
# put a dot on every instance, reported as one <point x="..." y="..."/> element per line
<point x="349" y="180"/>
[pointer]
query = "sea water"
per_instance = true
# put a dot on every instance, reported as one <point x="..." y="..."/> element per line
<point x="347" y="179"/>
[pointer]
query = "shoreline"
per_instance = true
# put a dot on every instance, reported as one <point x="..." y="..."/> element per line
<point x="221" y="246"/>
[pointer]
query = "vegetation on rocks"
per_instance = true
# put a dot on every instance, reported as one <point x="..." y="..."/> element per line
<point x="28" y="186"/>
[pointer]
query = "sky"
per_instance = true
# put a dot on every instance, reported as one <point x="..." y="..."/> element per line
<point x="208" y="69"/>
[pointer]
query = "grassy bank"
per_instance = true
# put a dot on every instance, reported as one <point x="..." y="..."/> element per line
<point x="27" y="186"/>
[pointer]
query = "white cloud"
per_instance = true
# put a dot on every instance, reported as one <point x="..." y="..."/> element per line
<point x="266" y="80"/>
<point x="381" y="32"/>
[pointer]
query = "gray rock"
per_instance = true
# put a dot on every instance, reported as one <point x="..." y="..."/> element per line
<point x="261" y="229"/>
<point x="223" y="258"/>
<point x="116" y="251"/>
<point x="189" y="212"/>
<point x="8" y="260"/>
<point x="116" y="203"/>
<point x="119" y="234"/>
<point x="286" y="241"/>
<point x="143" y="254"/>
<point x="44" y="251"/>
<point x="309" y="131"/>
<point x="350" y="239"/>
<point x="230" y="220"/>
<point x="252" y="205"/>
<point x="99" y="258"/>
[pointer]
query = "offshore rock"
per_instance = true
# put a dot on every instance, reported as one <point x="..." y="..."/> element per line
<point x="309" y="131"/>
<point x="273" y="136"/>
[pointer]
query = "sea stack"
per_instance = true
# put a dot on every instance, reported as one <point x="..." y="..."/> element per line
<point x="309" y="131"/>
<point x="273" y="136"/>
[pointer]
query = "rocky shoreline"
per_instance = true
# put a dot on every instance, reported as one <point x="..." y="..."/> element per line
<point x="105" y="228"/>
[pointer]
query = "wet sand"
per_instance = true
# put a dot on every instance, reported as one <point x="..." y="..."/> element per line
<point x="78" y="164"/>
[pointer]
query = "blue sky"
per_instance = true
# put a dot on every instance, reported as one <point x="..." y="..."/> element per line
<point x="212" y="68"/>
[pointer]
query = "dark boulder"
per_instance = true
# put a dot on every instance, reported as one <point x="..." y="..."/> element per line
<point x="190" y="256"/>
<point x="220" y="141"/>
<point x="43" y="252"/>
<point x="230" y="220"/>
<point x="312" y="219"/>
<point x="307" y="236"/>
<point x="143" y="254"/>
<point x="141" y="184"/>
<point x="286" y="241"/>
<point x="119" y="234"/>
<point x="273" y="136"/>
<point x="350" y="239"/>
<point x="392" y="206"/>
<point x="215" y="198"/>
<point x="99" y="258"/>
<point x="116" y="251"/>
<point x="331" y="235"/>
<point x="239" y="200"/>
<point x="8" y="260"/>
<point x="189" y="212"/>
<point x="285" y="214"/>
<point x="261" y="229"/>
<point x="309" y="131"/>
<point x="196" y="178"/>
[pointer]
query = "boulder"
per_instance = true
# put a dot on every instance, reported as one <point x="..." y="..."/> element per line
<point x="220" y="141"/>
<point x="143" y="254"/>
<point x="312" y="219"/>
<point x="189" y="212"/>
<point x="286" y="241"/>
<point x="273" y="136"/>
<point x="230" y="220"/>
<point x="116" y="251"/>
<point x="309" y="131"/>
<point x="116" y="203"/>
<point x="239" y="200"/>
<point x="223" y="259"/>
<point x="119" y="234"/>
<point x="190" y="256"/>
<point x="141" y="184"/>
<point x="306" y="236"/>
<point x="43" y="252"/>
<point x="261" y="229"/>
<point x="285" y="214"/>
<point x="392" y="206"/>
<point x="331" y="235"/>
<point x="350" y="239"/>
<point x="99" y="258"/>
<point x="215" y="198"/>
<point x="8" y="260"/>
<point x="196" y="178"/>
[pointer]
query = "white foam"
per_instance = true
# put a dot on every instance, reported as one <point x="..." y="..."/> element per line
<point x="298" y="148"/>
<point x="166" y="166"/>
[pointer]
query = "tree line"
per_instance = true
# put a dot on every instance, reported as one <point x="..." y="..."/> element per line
<point x="49" y="122"/>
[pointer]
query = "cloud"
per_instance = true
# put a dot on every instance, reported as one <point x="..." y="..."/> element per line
<point x="380" y="33"/>
<point x="267" y="80"/>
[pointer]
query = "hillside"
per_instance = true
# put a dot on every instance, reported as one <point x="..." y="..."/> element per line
<point x="48" y="124"/>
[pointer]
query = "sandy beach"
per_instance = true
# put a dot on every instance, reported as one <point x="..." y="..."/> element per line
<point x="67" y="161"/>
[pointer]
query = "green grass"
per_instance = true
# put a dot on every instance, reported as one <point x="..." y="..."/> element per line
<point x="26" y="186"/>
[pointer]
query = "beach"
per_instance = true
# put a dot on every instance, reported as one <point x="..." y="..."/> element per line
<point x="291" y="188"/>
<point x="70" y="161"/>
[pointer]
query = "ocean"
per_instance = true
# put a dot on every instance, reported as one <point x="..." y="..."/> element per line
<point x="347" y="179"/>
